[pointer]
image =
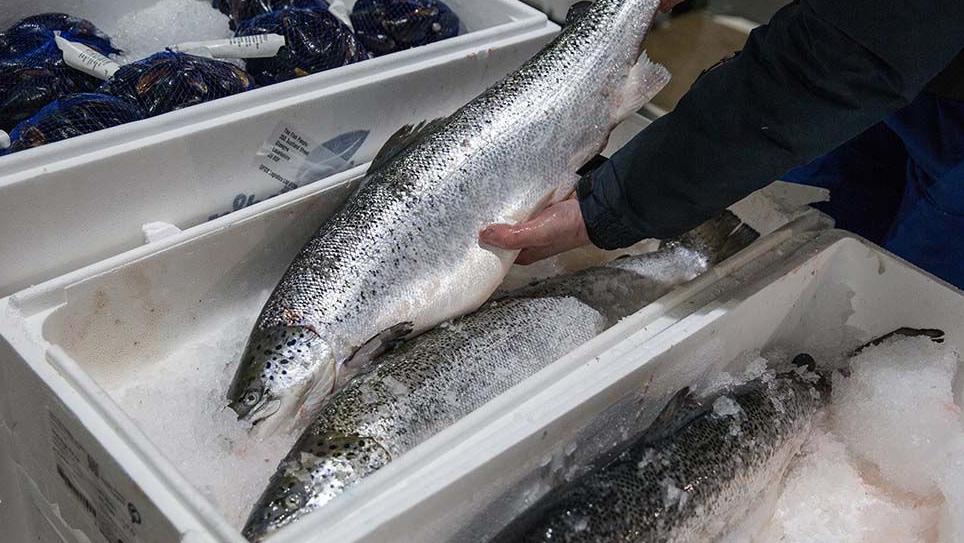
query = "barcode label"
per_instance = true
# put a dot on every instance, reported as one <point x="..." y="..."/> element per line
<point x="80" y="57"/>
<point x="114" y="515"/>
<point x="257" y="46"/>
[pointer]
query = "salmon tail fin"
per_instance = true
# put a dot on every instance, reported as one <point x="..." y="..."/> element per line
<point x="721" y="237"/>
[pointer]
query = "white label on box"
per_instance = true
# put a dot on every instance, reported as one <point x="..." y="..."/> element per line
<point x="283" y="155"/>
<point x="80" y="57"/>
<point x="258" y="46"/>
<point x="113" y="514"/>
<point x="292" y="158"/>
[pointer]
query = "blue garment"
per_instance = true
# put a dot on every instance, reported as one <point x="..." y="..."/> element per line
<point x="900" y="184"/>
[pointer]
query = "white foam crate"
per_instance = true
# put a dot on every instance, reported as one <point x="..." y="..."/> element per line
<point x="555" y="9"/>
<point x="61" y="339"/>
<point x="72" y="203"/>
<point x="21" y="492"/>
<point x="825" y="296"/>
<point x="12" y="504"/>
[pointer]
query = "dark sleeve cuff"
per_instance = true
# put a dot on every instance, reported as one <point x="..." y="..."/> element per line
<point x="606" y="228"/>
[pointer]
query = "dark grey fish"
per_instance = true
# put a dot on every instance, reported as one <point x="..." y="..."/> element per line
<point x="403" y="255"/>
<point x="624" y="286"/>
<point x="697" y="472"/>
<point x="443" y="375"/>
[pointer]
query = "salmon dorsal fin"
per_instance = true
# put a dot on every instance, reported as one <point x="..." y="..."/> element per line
<point x="405" y="137"/>
<point x="681" y="409"/>
<point x="577" y="11"/>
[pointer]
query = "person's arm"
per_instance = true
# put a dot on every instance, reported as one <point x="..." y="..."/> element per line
<point x="819" y="74"/>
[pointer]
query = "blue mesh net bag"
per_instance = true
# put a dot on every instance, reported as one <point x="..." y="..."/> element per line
<point x="242" y="10"/>
<point x="316" y="41"/>
<point x="71" y="116"/>
<point x="32" y="69"/>
<point x="387" y="26"/>
<point x="168" y="81"/>
<point x="34" y="35"/>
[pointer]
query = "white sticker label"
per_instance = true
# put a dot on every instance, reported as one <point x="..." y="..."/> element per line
<point x="80" y="57"/>
<point x="258" y="46"/>
<point x="283" y="156"/>
<point x="291" y="158"/>
<point x="114" y="516"/>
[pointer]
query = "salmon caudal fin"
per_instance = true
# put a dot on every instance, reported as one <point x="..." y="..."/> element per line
<point x="644" y="81"/>
<point x="721" y="237"/>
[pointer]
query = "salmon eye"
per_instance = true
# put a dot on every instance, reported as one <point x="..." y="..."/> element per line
<point x="251" y="398"/>
<point x="293" y="501"/>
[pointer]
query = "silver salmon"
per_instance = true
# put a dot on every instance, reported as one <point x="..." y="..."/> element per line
<point x="403" y="255"/>
<point x="436" y="379"/>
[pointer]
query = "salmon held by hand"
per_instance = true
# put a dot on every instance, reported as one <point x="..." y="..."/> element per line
<point x="403" y="255"/>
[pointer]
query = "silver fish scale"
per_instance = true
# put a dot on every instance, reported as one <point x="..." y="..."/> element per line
<point x="405" y="249"/>
<point x="688" y="487"/>
<point x="434" y="381"/>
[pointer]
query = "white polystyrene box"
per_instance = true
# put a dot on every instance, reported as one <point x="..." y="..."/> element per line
<point x="818" y="293"/>
<point x="555" y="9"/>
<point x="72" y="203"/>
<point x="12" y="502"/>
<point x="68" y="344"/>
<point x="40" y="388"/>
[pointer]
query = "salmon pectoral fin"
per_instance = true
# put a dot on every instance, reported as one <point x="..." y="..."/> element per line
<point x="383" y="342"/>
<point x="644" y="81"/>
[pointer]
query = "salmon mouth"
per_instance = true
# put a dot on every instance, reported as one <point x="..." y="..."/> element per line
<point x="262" y="412"/>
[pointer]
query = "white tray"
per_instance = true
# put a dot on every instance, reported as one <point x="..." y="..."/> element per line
<point x="65" y="343"/>
<point x="75" y="202"/>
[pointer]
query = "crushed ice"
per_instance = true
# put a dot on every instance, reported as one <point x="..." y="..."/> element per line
<point x="180" y="405"/>
<point x="143" y="32"/>
<point x="726" y="407"/>
<point x="887" y="464"/>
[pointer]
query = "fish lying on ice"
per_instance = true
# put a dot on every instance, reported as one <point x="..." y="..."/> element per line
<point x="432" y="381"/>
<point x="692" y="476"/>
<point x="403" y="255"/>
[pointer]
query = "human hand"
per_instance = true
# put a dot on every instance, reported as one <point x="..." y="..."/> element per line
<point x="557" y="229"/>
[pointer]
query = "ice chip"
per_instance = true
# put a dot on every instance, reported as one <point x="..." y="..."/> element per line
<point x="724" y="406"/>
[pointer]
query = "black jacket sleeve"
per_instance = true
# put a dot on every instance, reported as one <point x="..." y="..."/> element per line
<point x="820" y="73"/>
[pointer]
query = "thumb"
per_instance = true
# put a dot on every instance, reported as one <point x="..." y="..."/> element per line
<point x="506" y="236"/>
<point x="554" y="226"/>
